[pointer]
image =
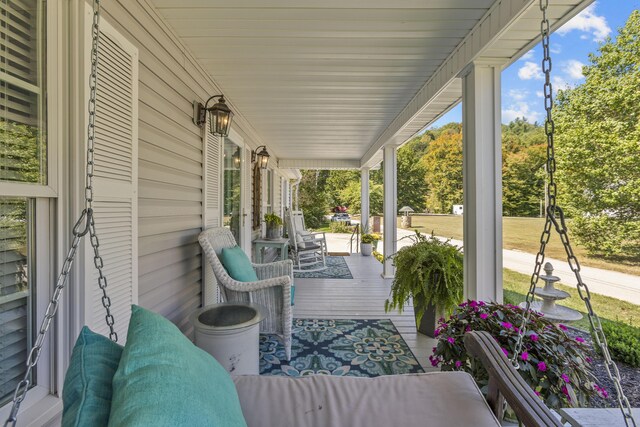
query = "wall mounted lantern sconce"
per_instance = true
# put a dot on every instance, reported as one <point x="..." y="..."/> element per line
<point x="261" y="156"/>
<point x="220" y="115"/>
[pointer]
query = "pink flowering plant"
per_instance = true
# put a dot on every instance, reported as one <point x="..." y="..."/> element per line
<point x="555" y="365"/>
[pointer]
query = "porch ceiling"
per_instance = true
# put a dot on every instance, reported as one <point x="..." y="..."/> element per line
<point x="328" y="80"/>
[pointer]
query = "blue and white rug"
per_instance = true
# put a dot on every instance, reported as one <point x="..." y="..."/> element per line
<point x="337" y="268"/>
<point x="360" y="348"/>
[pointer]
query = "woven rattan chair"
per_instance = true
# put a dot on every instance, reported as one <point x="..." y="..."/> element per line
<point x="272" y="290"/>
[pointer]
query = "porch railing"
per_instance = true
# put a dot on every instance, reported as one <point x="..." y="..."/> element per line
<point x="355" y="234"/>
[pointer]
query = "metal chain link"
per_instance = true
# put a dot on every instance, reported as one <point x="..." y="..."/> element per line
<point x="555" y="217"/>
<point x="84" y="225"/>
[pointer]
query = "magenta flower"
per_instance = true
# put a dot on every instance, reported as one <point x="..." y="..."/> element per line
<point x="561" y="326"/>
<point x="483" y="316"/>
<point x="436" y="333"/>
<point x="537" y="393"/>
<point x="565" y="378"/>
<point x="468" y="328"/>
<point x="506" y="353"/>
<point x="566" y="392"/>
<point x="506" y="325"/>
<point x="524" y="356"/>
<point x="580" y="339"/>
<point x="473" y="304"/>
<point x="451" y="340"/>
<point x="588" y="359"/>
<point x="458" y="363"/>
<point x="534" y="337"/>
<point x="433" y="349"/>
<point x="542" y="366"/>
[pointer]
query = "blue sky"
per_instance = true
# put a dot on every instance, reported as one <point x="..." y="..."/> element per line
<point x="570" y="47"/>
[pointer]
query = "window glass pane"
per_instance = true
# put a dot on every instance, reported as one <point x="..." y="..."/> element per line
<point x="22" y="92"/>
<point x="15" y="306"/>
<point x="232" y="188"/>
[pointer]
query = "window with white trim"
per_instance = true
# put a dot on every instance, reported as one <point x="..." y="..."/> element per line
<point x="23" y="171"/>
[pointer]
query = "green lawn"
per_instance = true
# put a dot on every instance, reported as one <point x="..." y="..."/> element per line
<point x="516" y="286"/>
<point x="521" y="234"/>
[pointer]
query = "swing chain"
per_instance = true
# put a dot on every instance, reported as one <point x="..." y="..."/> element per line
<point x="84" y="225"/>
<point x="555" y="217"/>
<point x="88" y="193"/>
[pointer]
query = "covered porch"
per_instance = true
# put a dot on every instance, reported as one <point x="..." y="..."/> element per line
<point x="331" y="85"/>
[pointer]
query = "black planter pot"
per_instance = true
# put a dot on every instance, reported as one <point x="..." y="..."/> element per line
<point x="429" y="321"/>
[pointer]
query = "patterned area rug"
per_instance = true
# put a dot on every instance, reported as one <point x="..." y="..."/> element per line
<point x="337" y="268"/>
<point x="361" y="348"/>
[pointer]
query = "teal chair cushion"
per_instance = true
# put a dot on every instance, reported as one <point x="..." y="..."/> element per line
<point x="293" y="293"/>
<point x="87" y="385"/>
<point x="237" y="264"/>
<point x="165" y="380"/>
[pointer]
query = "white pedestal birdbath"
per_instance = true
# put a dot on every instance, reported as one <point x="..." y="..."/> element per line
<point x="549" y="294"/>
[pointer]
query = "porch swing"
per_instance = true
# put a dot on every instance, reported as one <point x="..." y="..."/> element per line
<point x="505" y="384"/>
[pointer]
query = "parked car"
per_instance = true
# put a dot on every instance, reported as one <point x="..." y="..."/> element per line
<point x="341" y="217"/>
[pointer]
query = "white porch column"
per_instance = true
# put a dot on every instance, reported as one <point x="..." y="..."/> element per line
<point x="482" y="181"/>
<point x="390" y="209"/>
<point x="364" y="199"/>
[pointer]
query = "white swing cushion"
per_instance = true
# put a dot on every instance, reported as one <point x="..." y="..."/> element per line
<point x="433" y="399"/>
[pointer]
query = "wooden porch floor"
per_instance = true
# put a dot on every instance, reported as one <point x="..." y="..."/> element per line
<point x="359" y="298"/>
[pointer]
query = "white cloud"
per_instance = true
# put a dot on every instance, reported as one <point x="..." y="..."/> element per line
<point x="573" y="68"/>
<point x="527" y="55"/>
<point x="589" y="22"/>
<point x="556" y="49"/>
<point x="520" y="109"/>
<point x="540" y="94"/>
<point x="529" y="71"/>
<point x="559" y="83"/>
<point x="518" y="94"/>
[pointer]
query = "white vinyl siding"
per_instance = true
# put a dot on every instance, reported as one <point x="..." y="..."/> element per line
<point x="115" y="181"/>
<point x="170" y="164"/>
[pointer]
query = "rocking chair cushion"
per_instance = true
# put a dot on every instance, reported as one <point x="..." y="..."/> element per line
<point x="238" y="265"/>
<point x="87" y="384"/>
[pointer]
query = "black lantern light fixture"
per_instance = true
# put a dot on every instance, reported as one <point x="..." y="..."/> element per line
<point x="220" y="115"/>
<point x="262" y="156"/>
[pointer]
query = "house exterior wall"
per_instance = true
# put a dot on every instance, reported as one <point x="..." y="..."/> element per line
<point x="170" y="179"/>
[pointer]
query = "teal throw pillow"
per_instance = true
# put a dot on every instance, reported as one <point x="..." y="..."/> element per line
<point x="237" y="264"/>
<point x="87" y="384"/>
<point x="165" y="380"/>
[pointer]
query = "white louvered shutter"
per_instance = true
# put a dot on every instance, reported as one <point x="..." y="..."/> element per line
<point x="115" y="182"/>
<point x="211" y="211"/>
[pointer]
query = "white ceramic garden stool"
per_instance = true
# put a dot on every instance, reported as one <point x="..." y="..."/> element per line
<point x="230" y="333"/>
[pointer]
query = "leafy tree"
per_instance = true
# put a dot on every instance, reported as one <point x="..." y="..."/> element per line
<point x="443" y="163"/>
<point x="351" y="195"/>
<point x="598" y="129"/>
<point x="336" y="181"/>
<point x="523" y="159"/>
<point x="313" y="202"/>
<point x="412" y="186"/>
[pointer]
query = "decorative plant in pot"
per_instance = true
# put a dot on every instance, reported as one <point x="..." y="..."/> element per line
<point x="430" y="272"/>
<point x="555" y="365"/>
<point x="274" y="226"/>
<point x="368" y="243"/>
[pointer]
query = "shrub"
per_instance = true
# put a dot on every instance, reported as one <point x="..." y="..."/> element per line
<point x="340" y="227"/>
<point x="624" y="342"/>
<point x="377" y="255"/>
<point x="553" y="364"/>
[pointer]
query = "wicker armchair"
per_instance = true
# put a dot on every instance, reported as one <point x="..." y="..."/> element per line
<point x="272" y="290"/>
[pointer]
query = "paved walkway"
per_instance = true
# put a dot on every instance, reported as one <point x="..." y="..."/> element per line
<point x="622" y="286"/>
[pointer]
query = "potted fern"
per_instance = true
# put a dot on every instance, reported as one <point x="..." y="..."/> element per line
<point x="367" y="243"/>
<point x="430" y="272"/>
<point x="274" y="226"/>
